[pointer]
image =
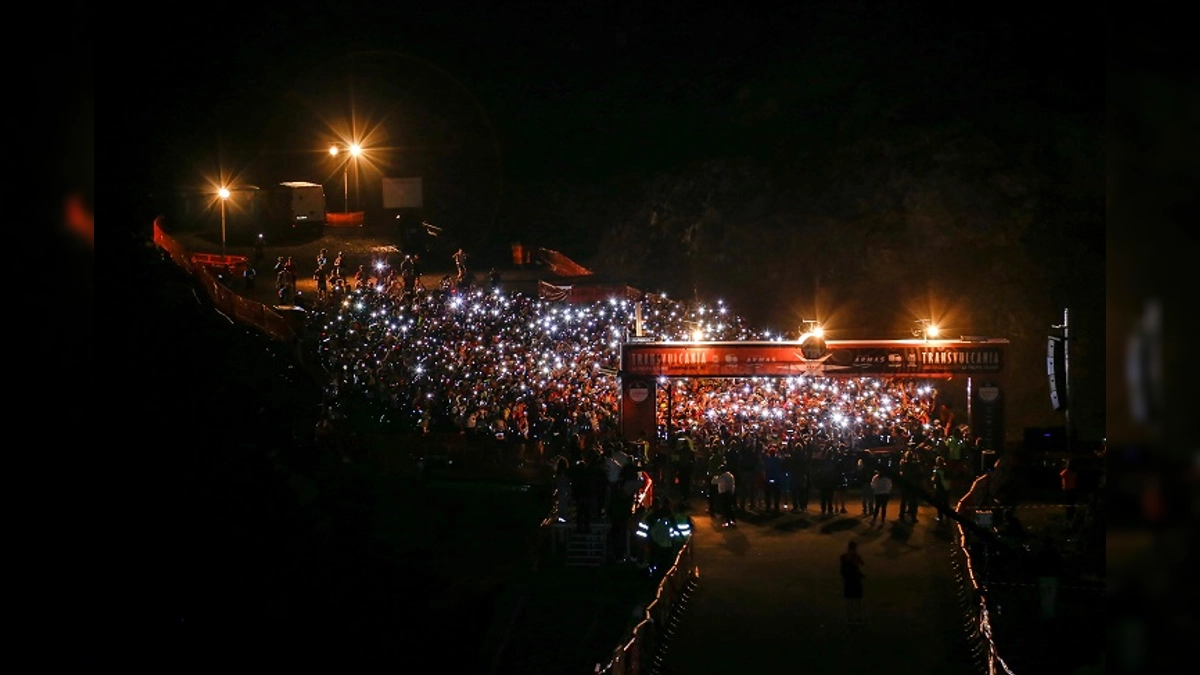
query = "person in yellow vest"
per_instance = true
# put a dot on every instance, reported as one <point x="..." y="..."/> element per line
<point x="661" y="531"/>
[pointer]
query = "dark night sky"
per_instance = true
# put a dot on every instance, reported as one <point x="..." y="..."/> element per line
<point x="587" y="89"/>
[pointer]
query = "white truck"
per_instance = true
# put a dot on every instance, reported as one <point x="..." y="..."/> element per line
<point x="293" y="207"/>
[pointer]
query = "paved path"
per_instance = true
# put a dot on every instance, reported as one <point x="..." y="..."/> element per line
<point x="770" y="598"/>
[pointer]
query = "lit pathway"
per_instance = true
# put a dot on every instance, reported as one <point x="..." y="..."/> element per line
<point x="770" y="598"/>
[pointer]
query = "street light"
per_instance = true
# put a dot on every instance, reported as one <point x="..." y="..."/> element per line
<point x="355" y="151"/>
<point x="223" y="193"/>
<point x="812" y="327"/>
<point x="925" y="329"/>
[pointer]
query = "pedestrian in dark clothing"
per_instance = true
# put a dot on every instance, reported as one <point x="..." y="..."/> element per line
<point x="850" y="566"/>
<point x="686" y="468"/>
<point x="796" y="465"/>
<point x="881" y="484"/>
<point x="773" y="468"/>
<point x="827" y="477"/>
<point x="941" y="485"/>
<point x="910" y="485"/>
<point x="620" y="511"/>
<point x="583" y="493"/>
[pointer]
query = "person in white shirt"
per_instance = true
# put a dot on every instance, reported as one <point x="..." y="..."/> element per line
<point x="882" y="486"/>
<point x="726" y="484"/>
<point x="614" y="464"/>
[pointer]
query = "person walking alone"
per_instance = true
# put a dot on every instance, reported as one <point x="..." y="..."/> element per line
<point x="850" y="566"/>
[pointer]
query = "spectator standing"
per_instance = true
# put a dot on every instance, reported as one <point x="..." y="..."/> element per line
<point x="841" y="483"/>
<point x="726" y="486"/>
<point x="882" y="486"/>
<point x="748" y="467"/>
<point x="773" y="468"/>
<point x="941" y="485"/>
<point x="686" y="468"/>
<point x="583" y="494"/>
<point x="285" y="285"/>
<point x="797" y="468"/>
<point x="864" y="476"/>
<point x="910" y="484"/>
<point x="827" y="478"/>
<point x="614" y="471"/>
<point x="620" y="511"/>
<point x="850" y="565"/>
<point x="321" y="276"/>
<point x="460" y="265"/>
<point x="716" y="464"/>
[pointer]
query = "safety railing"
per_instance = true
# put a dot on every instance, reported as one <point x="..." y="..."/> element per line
<point x="637" y="653"/>
<point x="561" y="264"/>
<point x="972" y="597"/>
<point x="346" y="219"/>
<point x="987" y="585"/>
<point x="227" y="301"/>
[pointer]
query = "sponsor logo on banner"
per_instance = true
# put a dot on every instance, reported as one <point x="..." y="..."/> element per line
<point x="782" y="359"/>
<point x="639" y="392"/>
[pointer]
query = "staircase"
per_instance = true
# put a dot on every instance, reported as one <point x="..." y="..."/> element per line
<point x="588" y="549"/>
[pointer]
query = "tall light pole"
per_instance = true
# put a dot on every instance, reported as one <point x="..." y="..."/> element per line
<point x="355" y="151"/>
<point x="223" y="193"/>
<point x="333" y="152"/>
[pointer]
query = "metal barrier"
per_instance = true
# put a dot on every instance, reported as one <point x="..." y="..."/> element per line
<point x="973" y="599"/>
<point x="561" y="264"/>
<point x="637" y="654"/>
<point x="227" y="301"/>
<point x="981" y="589"/>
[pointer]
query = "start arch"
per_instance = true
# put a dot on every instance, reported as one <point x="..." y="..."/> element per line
<point x="647" y="366"/>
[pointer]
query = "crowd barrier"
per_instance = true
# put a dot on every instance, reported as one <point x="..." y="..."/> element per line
<point x="636" y="655"/>
<point x="1077" y="588"/>
<point x="972" y="595"/>
<point x="561" y="264"/>
<point x="349" y="219"/>
<point x="231" y="304"/>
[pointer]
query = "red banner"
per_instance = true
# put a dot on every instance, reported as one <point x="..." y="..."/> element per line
<point x="638" y="419"/>
<point x="850" y="358"/>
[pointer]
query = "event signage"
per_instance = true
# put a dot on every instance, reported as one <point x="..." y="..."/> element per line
<point x="914" y="358"/>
